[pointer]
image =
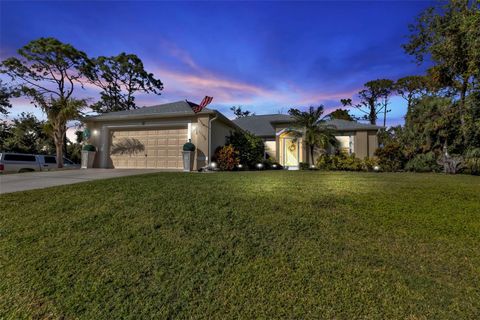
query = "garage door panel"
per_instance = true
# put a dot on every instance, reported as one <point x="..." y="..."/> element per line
<point x="162" y="148"/>
<point x="172" y="153"/>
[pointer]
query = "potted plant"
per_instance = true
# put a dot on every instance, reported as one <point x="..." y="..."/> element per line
<point x="88" y="156"/>
<point x="188" y="156"/>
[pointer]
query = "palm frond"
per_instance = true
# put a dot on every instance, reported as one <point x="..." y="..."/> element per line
<point x="128" y="146"/>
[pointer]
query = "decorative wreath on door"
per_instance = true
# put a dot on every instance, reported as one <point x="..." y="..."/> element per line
<point x="292" y="147"/>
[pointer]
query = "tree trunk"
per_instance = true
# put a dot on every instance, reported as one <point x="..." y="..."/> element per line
<point x="385" y="117"/>
<point x="65" y="151"/>
<point x="372" y="116"/>
<point x="59" y="154"/>
<point x="385" y="105"/>
<point x="463" y="94"/>
<point x="311" y="155"/>
<point x="409" y="111"/>
<point x="58" y="139"/>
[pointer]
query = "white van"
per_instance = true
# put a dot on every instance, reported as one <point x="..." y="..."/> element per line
<point x="20" y="162"/>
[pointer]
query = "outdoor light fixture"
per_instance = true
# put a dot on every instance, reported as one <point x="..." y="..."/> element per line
<point x="213" y="165"/>
<point x="95" y="132"/>
<point x="259" y="166"/>
<point x="376" y="168"/>
<point x="274" y="165"/>
<point x="312" y="166"/>
<point x="240" y="166"/>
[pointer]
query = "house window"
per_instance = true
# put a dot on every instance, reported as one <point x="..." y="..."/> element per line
<point x="346" y="143"/>
<point x="270" y="149"/>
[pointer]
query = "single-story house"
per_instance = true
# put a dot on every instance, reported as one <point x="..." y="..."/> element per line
<point x="152" y="137"/>
<point x="289" y="151"/>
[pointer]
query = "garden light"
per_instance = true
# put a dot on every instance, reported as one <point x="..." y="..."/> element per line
<point x="213" y="165"/>
<point x="259" y="166"/>
<point x="376" y="168"/>
<point x="274" y="166"/>
<point x="312" y="166"/>
<point x="240" y="166"/>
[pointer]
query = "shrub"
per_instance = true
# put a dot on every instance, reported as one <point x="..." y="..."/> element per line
<point x="304" y="166"/>
<point x="227" y="158"/>
<point x="89" y="147"/>
<point x="324" y="162"/>
<point x="472" y="161"/>
<point x="349" y="163"/>
<point x="339" y="162"/>
<point x="390" y="157"/>
<point x="423" y="163"/>
<point x="369" y="164"/>
<point x="188" y="146"/>
<point x="269" y="164"/>
<point x="250" y="147"/>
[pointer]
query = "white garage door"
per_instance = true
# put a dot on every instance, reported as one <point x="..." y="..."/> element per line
<point x="156" y="148"/>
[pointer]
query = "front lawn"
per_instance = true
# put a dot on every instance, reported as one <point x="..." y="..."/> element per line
<point x="244" y="245"/>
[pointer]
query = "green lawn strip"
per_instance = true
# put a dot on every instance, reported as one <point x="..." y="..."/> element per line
<point x="249" y="245"/>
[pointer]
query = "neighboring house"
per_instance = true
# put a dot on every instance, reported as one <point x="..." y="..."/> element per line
<point x="289" y="151"/>
<point x="152" y="137"/>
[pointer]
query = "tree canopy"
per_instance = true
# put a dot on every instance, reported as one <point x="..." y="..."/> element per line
<point x="374" y="99"/>
<point x="313" y="130"/>
<point x="449" y="36"/>
<point x="342" y="114"/>
<point x="48" y="71"/>
<point x="120" y="78"/>
<point x="25" y="135"/>
<point x="6" y="93"/>
<point x="410" y="87"/>
<point x="239" y="113"/>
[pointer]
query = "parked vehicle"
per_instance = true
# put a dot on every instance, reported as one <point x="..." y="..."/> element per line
<point x="19" y="162"/>
<point x="48" y="163"/>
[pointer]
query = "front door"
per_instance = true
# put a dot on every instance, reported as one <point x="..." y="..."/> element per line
<point x="291" y="152"/>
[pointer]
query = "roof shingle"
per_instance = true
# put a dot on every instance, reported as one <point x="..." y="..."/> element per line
<point x="263" y="125"/>
<point x="173" y="108"/>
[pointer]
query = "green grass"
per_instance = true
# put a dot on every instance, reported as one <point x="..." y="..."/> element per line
<point x="244" y="245"/>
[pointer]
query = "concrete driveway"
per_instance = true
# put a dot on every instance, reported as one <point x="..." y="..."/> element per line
<point x="38" y="180"/>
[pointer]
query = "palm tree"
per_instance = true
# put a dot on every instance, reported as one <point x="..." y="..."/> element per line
<point x="59" y="112"/>
<point x="316" y="133"/>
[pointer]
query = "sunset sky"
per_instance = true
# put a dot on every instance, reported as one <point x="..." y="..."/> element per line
<point x="264" y="56"/>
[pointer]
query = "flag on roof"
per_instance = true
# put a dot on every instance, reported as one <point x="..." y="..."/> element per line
<point x="206" y="101"/>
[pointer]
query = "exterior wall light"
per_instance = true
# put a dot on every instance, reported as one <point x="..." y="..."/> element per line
<point x="95" y="132"/>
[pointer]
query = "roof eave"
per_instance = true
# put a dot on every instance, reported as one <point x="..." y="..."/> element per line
<point x="226" y="120"/>
<point x="145" y="116"/>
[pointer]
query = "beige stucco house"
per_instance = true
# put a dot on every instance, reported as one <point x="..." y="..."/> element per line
<point x="156" y="136"/>
<point x="152" y="137"/>
<point x="284" y="147"/>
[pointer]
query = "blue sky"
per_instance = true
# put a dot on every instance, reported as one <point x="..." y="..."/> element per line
<point x="264" y="56"/>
